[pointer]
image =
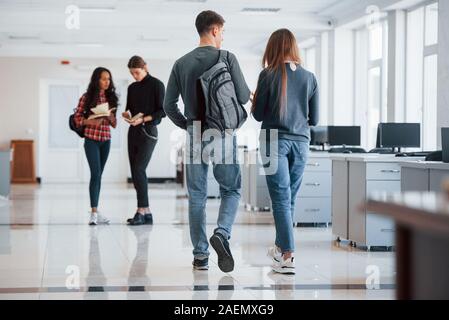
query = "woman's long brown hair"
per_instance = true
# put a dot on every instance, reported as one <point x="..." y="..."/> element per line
<point x="281" y="46"/>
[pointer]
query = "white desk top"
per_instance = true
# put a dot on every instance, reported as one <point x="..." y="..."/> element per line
<point x="426" y="165"/>
<point x="383" y="158"/>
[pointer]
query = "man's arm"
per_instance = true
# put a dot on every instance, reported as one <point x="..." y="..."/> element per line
<point x="171" y="101"/>
<point x="241" y="88"/>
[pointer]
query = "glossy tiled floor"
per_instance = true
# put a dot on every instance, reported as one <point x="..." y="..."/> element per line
<point x="47" y="251"/>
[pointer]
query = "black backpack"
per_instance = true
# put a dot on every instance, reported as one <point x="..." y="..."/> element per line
<point x="72" y="125"/>
<point x="222" y="109"/>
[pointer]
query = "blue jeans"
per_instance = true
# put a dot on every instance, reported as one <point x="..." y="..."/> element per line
<point x="227" y="173"/>
<point x="97" y="154"/>
<point x="284" y="184"/>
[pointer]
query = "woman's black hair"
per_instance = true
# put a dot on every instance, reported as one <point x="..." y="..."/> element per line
<point x="93" y="91"/>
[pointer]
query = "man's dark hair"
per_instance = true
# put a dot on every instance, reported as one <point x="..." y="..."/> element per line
<point x="207" y="20"/>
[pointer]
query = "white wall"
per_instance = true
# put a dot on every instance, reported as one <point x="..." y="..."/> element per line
<point x="19" y="105"/>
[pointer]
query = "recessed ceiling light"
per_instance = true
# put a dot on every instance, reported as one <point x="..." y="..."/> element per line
<point x="260" y="11"/>
<point x="23" y="37"/>
<point x="55" y="42"/>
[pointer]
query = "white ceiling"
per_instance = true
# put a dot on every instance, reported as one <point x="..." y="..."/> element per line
<point x="37" y="27"/>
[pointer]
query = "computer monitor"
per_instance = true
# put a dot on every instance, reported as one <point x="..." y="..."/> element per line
<point x="319" y="136"/>
<point x="344" y="136"/>
<point x="399" y="135"/>
<point x="445" y="144"/>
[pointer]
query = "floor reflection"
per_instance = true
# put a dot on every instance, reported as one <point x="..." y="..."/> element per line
<point x="138" y="280"/>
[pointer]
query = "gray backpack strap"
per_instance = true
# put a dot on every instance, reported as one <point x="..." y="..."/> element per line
<point x="224" y="57"/>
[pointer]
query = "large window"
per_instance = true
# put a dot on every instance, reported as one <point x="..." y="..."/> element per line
<point x="371" y="60"/>
<point x="422" y="70"/>
<point x="309" y="57"/>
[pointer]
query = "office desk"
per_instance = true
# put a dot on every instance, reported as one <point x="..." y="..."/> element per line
<point x="354" y="177"/>
<point x="423" y="176"/>
<point x="5" y="173"/>
<point x="422" y="242"/>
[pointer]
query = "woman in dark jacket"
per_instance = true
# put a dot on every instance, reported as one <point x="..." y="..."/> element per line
<point x="143" y="112"/>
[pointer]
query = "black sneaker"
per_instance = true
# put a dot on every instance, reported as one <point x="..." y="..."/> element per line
<point x="138" y="220"/>
<point x="221" y="246"/>
<point x="201" y="265"/>
<point x="148" y="219"/>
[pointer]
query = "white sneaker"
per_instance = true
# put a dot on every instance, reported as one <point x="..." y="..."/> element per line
<point x="97" y="218"/>
<point x="285" y="266"/>
<point x="275" y="254"/>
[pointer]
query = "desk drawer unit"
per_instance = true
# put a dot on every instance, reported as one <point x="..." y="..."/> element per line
<point x="316" y="184"/>
<point x="313" y="204"/>
<point x="368" y="229"/>
<point x="383" y="171"/>
<point x="318" y="164"/>
<point x="312" y="210"/>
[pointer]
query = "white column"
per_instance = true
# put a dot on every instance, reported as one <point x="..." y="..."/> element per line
<point x="323" y="58"/>
<point x="331" y="77"/>
<point x="341" y="73"/>
<point x="443" y="67"/>
<point x="396" y="65"/>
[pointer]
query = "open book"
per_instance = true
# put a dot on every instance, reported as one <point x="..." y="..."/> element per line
<point x="101" y="110"/>
<point x="127" y="117"/>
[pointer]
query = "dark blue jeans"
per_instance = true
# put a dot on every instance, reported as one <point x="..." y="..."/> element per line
<point x="97" y="154"/>
<point x="284" y="184"/>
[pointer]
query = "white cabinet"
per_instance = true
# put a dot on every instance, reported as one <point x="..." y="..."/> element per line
<point x="367" y="229"/>
<point x="313" y="203"/>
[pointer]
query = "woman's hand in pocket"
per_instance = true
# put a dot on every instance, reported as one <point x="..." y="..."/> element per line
<point x="136" y="122"/>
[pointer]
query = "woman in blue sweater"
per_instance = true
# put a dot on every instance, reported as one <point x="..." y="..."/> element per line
<point x="286" y="100"/>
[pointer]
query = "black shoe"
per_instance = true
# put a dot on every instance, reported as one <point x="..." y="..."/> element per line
<point x="148" y="218"/>
<point x="221" y="246"/>
<point x="138" y="220"/>
<point x="201" y="265"/>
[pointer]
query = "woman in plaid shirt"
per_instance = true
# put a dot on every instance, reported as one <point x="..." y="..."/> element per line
<point x="97" y="133"/>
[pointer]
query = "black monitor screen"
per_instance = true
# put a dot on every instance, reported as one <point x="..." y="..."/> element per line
<point x="318" y="136"/>
<point x="344" y="136"/>
<point x="445" y="144"/>
<point x="400" y="135"/>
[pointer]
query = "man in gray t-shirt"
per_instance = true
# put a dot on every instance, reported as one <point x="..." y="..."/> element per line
<point x="184" y="81"/>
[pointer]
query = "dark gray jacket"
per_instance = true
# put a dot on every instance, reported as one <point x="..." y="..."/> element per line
<point x="302" y="103"/>
<point x="183" y="81"/>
